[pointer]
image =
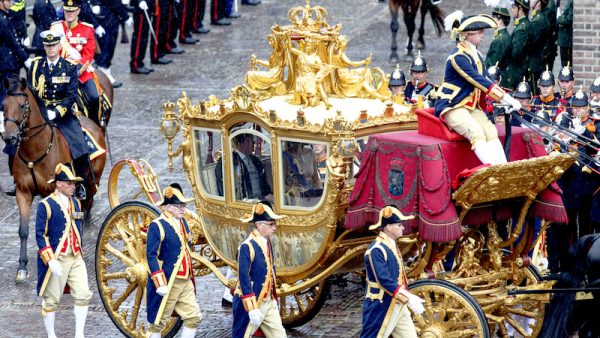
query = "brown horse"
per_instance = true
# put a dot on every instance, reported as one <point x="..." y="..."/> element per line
<point x="410" y="8"/>
<point x="107" y="87"/>
<point x="40" y="148"/>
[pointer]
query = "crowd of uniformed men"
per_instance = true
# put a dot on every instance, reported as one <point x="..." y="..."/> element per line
<point x="519" y="63"/>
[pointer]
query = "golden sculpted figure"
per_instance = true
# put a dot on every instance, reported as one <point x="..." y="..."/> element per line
<point x="270" y="80"/>
<point x="351" y="82"/>
<point x="310" y="73"/>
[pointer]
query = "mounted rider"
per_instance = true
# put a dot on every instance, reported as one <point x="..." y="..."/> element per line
<point x="79" y="46"/>
<point x="54" y="83"/>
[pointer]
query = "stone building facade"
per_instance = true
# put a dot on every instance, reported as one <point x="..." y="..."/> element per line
<point x="586" y="41"/>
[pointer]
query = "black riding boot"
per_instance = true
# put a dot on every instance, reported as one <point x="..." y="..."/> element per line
<point x="81" y="169"/>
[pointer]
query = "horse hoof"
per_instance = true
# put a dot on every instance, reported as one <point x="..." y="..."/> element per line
<point x="22" y="275"/>
<point x="394" y="58"/>
<point x="409" y="57"/>
<point x="420" y="45"/>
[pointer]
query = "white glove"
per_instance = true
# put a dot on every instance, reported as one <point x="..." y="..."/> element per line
<point x="125" y="2"/>
<point x="162" y="290"/>
<point x="28" y="63"/>
<point x="100" y="31"/>
<point x="416" y="304"/>
<point x="129" y="22"/>
<point x="26" y="42"/>
<point x="256" y="317"/>
<point x="143" y="5"/>
<point x="55" y="267"/>
<point x="51" y="114"/>
<point x="96" y="9"/>
<point x="558" y="12"/>
<point x="514" y="103"/>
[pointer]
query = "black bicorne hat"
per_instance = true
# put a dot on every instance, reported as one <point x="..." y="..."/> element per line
<point x="523" y="90"/>
<point x="397" y="78"/>
<point x="579" y="99"/>
<point x="546" y="78"/>
<point x="566" y="74"/>
<point x="476" y="22"/>
<point x="419" y="65"/>
<point x="389" y="215"/>
<point x="173" y="194"/>
<point x="65" y="172"/>
<point x="262" y="211"/>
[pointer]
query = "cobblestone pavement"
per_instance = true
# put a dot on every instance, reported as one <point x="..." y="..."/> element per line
<point x="213" y="66"/>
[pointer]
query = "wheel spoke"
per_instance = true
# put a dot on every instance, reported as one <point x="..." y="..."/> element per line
<point x="114" y="275"/>
<point x="136" y="307"/>
<point x="117" y="303"/>
<point x="128" y="261"/>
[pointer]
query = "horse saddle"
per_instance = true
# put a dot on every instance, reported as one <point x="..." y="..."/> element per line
<point x="94" y="149"/>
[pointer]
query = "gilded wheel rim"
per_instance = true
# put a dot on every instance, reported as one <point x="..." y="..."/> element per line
<point x="121" y="269"/>
<point x="296" y="306"/>
<point x="447" y="314"/>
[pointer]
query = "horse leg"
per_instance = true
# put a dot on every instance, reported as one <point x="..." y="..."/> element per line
<point x="394" y="26"/>
<point x="410" y="14"/>
<point x="424" y="10"/>
<point x="24" y="202"/>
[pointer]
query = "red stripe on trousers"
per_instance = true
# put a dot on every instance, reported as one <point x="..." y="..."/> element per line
<point x="156" y="32"/>
<point x="183" y="14"/>
<point x="216" y="10"/>
<point x="137" y="47"/>
<point x="195" y="19"/>
<point x="168" y="42"/>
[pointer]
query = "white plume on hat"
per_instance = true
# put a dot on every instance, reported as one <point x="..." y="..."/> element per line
<point x="450" y="18"/>
<point x="498" y="3"/>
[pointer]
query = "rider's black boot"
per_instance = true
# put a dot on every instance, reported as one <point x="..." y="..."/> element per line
<point x="81" y="170"/>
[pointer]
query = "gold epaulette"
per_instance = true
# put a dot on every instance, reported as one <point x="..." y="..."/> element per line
<point x="86" y="24"/>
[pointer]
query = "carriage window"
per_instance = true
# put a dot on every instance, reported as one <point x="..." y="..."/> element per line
<point x="209" y="151"/>
<point x="250" y="170"/>
<point x="303" y="171"/>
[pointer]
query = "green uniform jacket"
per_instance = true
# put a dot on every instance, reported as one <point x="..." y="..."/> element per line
<point x="539" y="28"/>
<point x="550" y="47"/>
<point x="565" y="26"/>
<point x="499" y="52"/>
<point x="519" y="62"/>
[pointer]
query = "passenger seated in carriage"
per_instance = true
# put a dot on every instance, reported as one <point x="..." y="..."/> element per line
<point x="302" y="182"/>
<point x="249" y="173"/>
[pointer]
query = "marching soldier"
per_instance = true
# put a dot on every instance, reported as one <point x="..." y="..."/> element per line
<point x="565" y="34"/>
<point x="160" y="23"/>
<point x="79" y="46"/>
<point x="255" y="303"/>
<point x="385" y="308"/>
<point x="520" y="41"/>
<point x="397" y="85"/>
<point x="539" y="29"/>
<point x="499" y="53"/>
<point x="55" y="81"/>
<point x="466" y="80"/>
<point x="58" y="232"/>
<point x="170" y="265"/>
<point x="419" y="86"/>
<point x="548" y="100"/>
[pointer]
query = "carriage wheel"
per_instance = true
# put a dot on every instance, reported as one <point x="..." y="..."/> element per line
<point x="121" y="268"/>
<point x="299" y="308"/>
<point x="449" y="311"/>
<point x="139" y="183"/>
<point x="526" y="315"/>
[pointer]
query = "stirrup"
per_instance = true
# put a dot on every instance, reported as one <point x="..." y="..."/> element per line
<point x="80" y="192"/>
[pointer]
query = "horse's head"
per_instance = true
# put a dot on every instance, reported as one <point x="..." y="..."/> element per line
<point x="15" y="108"/>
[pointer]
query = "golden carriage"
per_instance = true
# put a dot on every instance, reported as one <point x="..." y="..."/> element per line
<point x="303" y="122"/>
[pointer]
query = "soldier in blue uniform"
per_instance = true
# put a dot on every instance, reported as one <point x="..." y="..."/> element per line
<point x="55" y="81"/>
<point x="385" y="308"/>
<point x="255" y="302"/>
<point x="58" y="233"/>
<point x="419" y="86"/>
<point x="566" y="81"/>
<point x="169" y="261"/>
<point x="461" y="97"/>
<point x="140" y="34"/>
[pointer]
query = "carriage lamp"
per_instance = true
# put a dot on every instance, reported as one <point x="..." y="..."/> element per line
<point x="169" y="127"/>
<point x="389" y="110"/>
<point x="300" y="118"/>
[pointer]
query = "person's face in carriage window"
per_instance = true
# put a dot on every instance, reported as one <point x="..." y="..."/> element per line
<point x="245" y="145"/>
